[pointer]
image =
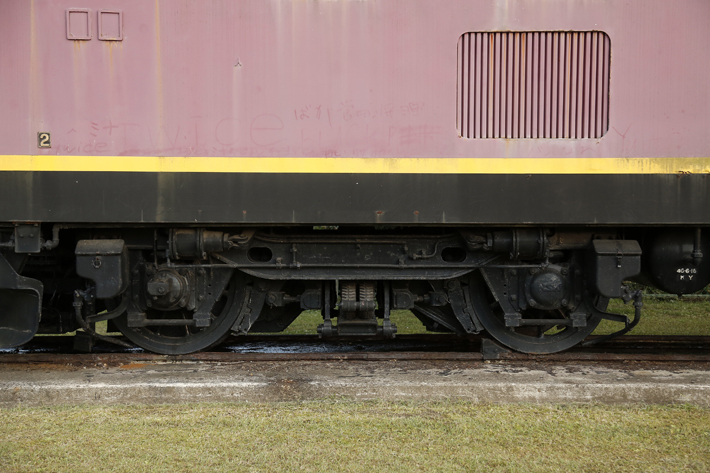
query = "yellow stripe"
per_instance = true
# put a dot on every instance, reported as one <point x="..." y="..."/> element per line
<point x="356" y="165"/>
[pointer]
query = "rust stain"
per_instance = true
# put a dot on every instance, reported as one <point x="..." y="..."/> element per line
<point x="76" y="47"/>
<point x="159" y="74"/>
<point x="509" y="147"/>
<point x="80" y="76"/>
<point x="46" y="366"/>
<point x="35" y="91"/>
<point x="133" y="366"/>
<point x="109" y="44"/>
<point x="491" y="81"/>
<point x="523" y="83"/>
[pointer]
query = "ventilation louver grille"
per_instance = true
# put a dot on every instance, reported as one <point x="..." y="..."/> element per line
<point x="533" y="85"/>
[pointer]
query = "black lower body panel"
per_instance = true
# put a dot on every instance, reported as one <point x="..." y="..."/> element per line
<point x="323" y="199"/>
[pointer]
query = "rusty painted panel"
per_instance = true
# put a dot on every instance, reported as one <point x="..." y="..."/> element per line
<point x="374" y="78"/>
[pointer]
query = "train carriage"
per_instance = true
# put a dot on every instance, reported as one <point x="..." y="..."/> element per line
<point x="190" y="169"/>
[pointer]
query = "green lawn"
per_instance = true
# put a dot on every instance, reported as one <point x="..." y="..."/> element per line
<point x="664" y="317"/>
<point x="333" y="435"/>
<point x="356" y="437"/>
<point x="660" y="317"/>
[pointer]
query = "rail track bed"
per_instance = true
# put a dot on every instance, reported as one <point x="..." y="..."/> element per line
<point x="631" y="369"/>
<point x="63" y="350"/>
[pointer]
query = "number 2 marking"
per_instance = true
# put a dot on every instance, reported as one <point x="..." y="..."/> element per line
<point x="43" y="140"/>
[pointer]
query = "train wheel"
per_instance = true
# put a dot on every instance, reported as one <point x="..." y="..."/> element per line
<point x="549" y="338"/>
<point x="182" y="339"/>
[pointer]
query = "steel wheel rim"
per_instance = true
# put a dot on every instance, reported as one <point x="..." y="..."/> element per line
<point x="483" y="305"/>
<point x="159" y="340"/>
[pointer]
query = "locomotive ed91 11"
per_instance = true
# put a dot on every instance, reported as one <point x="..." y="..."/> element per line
<point x="189" y="170"/>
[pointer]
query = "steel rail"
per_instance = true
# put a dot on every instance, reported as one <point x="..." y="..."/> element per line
<point x="627" y="348"/>
<point x="117" y="359"/>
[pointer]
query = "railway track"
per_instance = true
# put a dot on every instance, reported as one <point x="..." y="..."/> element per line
<point x="60" y="351"/>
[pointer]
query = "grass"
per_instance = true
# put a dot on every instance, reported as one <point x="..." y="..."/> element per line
<point x="659" y="317"/>
<point x="355" y="437"/>
<point x="372" y="436"/>
<point x="308" y="321"/>
<point x="663" y="317"/>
